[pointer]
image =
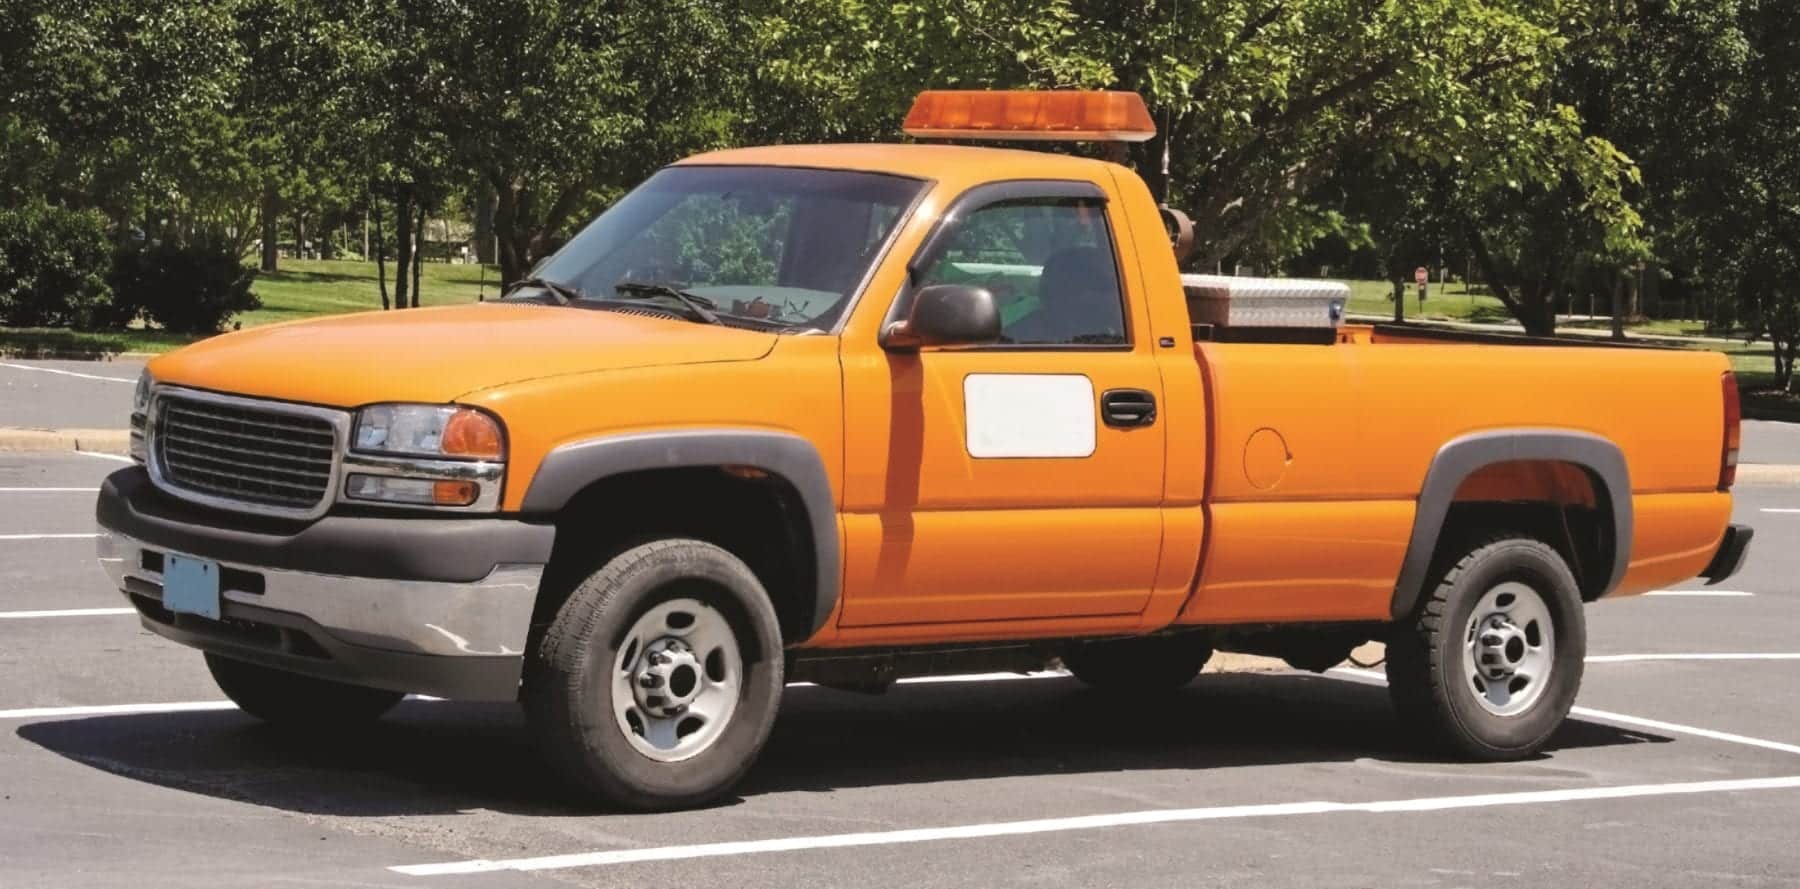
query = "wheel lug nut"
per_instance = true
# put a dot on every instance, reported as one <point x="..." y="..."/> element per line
<point x="651" y="681"/>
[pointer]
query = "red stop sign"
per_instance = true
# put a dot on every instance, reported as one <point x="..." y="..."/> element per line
<point x="1420" y="276"/>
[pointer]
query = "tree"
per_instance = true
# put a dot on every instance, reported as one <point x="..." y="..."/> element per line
<point x="104" y="99"/>
<point x="1753" y="231"/>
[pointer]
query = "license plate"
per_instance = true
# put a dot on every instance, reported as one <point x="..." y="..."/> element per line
<point x="191" y="586"/>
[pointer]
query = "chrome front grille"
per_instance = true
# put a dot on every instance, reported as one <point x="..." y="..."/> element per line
<point x="264" y="457"/>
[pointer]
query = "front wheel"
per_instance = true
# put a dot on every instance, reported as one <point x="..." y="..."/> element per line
<point x="657" y="682"/>
<point x="1490" y="665"/>
<point x="289" y="699"/>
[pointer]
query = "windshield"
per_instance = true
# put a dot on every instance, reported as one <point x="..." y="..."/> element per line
<point x="780" y="245"/>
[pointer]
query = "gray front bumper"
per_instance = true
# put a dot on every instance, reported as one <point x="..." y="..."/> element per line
<point x="449" y="639"/>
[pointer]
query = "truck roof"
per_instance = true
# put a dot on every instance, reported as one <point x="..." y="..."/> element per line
<point x="944" y="163"/>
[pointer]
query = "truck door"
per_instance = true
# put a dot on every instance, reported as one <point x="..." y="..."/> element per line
<point x="1019" y="480"/>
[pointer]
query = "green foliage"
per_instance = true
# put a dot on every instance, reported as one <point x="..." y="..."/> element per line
<point x="52" y="266"/>
<point x="1556" y="143"/>
<point x="192" y="287"/>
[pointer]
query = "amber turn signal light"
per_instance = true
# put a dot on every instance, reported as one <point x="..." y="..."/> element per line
<point x="455" y="493"/>
<point x="471" y="433"/>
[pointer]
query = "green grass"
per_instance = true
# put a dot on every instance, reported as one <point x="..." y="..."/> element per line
<point x="1443" y="302"/>
<point x="300" y="289"/>
<point x="1754" y="365"/>
<point x="304" y="288"/>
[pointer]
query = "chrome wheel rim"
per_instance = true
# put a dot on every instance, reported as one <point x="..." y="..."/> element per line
<point x="676" y="680"/>
<point x="1509" y="649"/>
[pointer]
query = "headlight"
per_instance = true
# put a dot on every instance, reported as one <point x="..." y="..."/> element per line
<point x="433" y="455"/>
<point x="428" y="430"/>
<point x="140" y="400"/>
<point x="140" y="408"/>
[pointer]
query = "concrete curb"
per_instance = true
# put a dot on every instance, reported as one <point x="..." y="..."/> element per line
<point x="104" y="441"/>
<point x="16" y="354"/>
<point x="1592" y="333"/>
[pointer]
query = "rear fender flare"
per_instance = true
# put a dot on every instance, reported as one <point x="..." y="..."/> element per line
<point x="1464" y="456"/>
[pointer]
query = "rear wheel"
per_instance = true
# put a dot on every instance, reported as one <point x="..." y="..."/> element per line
<point x="657" y="683"/>
<point x="1490" y="665"/>
<point x="1145" y="664"/>
<point x="289" y="699"/>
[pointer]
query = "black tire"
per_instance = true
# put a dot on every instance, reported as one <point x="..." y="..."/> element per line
<point x="1428" y="680"/>
<point x="1146" y="664"/>
<point x="295" y="701"/>
<point x="570" y="690"/>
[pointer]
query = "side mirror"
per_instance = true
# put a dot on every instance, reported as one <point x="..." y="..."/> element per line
<point x="945" y="315"/>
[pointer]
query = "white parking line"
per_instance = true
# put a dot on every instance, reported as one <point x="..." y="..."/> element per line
<point x="191" y="706"/>
<point x="1699" y="593"/>
<point x="1679" y="729"/>
<point x="48" y="536"/>
<point x="104" y="456"/>
<point x="48" y="490"/>
<point x="1620" y="718"/>
<point x="1086" y="822"/>
<point x="140" y="709"/>
<point x="115" y="710"/>
<point x="1780" y="509"/>
<point x="68" y="373"/>
<point x="1709" y="656"/>
<point x="65" y="612"/>
<point x="1158" y="816"/>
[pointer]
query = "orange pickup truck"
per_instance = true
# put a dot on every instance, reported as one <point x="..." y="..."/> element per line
<point x="849" y="413"/>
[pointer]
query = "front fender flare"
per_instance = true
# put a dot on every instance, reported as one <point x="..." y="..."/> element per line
<point x="569" y="468"/>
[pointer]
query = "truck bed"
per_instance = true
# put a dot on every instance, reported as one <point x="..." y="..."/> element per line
<point x="1321" y="452"/>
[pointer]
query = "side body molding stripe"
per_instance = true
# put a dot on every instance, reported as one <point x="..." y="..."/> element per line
<point x="1462" y="457"/>
<point x="569" y="468"/>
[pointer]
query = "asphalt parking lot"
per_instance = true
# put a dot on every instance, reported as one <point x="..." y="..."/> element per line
<point x="119" y="765"/>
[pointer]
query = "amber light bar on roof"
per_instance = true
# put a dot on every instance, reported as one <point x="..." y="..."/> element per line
<point x="1054" y="115"/>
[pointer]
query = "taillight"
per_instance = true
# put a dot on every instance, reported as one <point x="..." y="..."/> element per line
<point x="1734" y="431"/>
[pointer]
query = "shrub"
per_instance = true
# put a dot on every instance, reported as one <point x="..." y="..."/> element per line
<point x="53" y="267"/>
<point x="189" y="287"/>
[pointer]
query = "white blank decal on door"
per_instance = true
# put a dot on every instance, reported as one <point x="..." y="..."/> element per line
<point x="1029" y="415"/>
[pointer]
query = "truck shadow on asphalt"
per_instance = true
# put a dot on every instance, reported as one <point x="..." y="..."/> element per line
<point x="439" y="758"/>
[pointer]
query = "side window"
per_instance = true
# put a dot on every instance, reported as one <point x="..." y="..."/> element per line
<point x="1049" y="263"/>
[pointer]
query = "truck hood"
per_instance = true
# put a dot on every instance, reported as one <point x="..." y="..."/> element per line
<point x="439" y="354"/>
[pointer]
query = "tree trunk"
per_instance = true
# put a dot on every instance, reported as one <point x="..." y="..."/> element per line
<point x="418" y="258"/>
<point x="1537" y="311"/>
<point x="300" y="236"/>
<point x="1786" y="349"/>
<point x="403" y="242"/>
<point x="506" y="225"/>
<point x="380" y="249"/>
<point x="522" y="230"/>
<point x="270" y="205"/>
<point x="484" y="224"/>
<point x="1532" y="306"/>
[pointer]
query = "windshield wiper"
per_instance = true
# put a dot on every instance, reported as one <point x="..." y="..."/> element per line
<point x="563" y="293"/>
<point x="699" y="305"/>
